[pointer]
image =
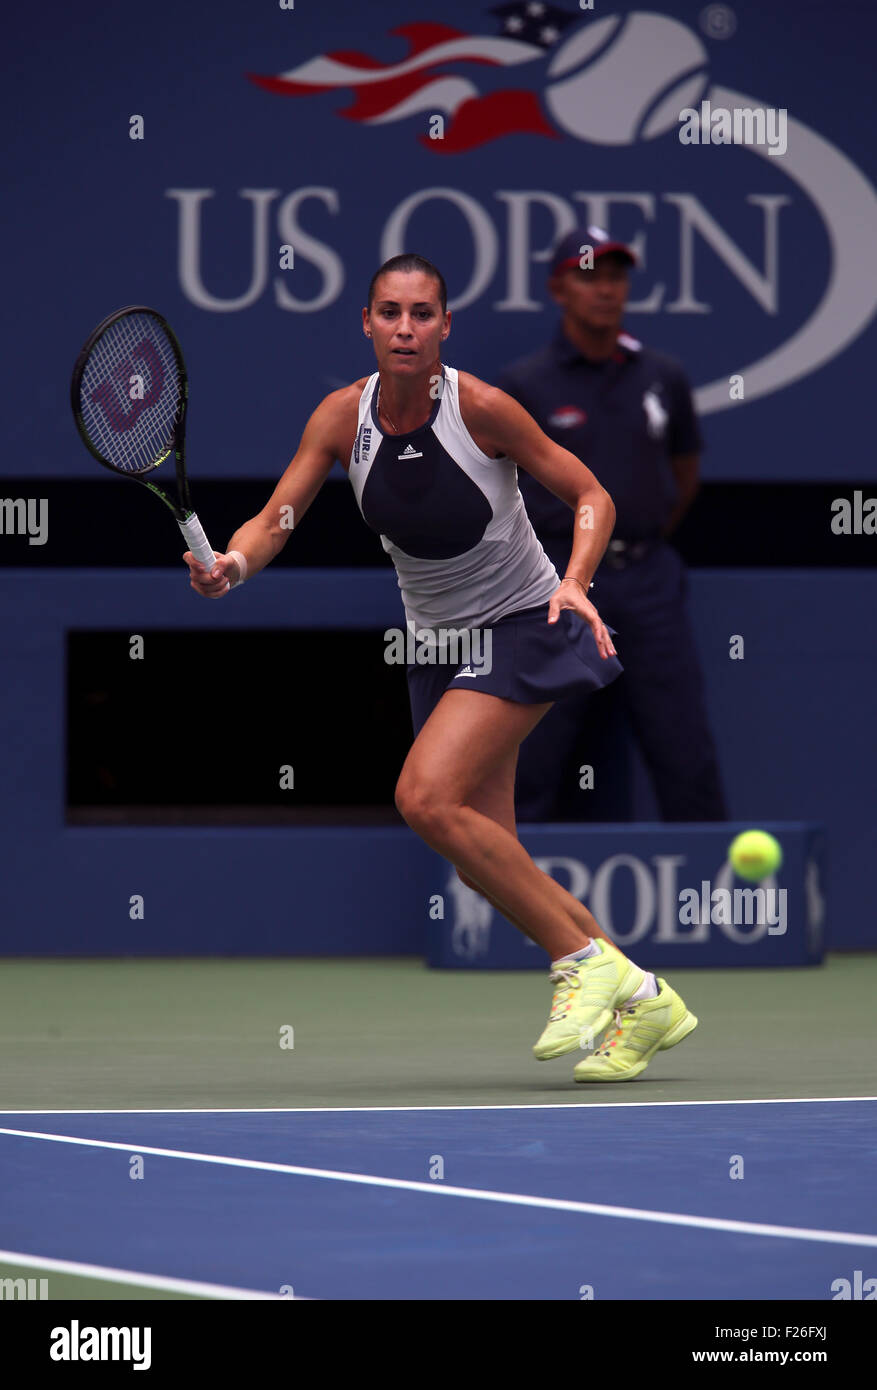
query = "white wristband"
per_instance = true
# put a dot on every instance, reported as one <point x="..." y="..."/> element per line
<point x="241" y="564"/>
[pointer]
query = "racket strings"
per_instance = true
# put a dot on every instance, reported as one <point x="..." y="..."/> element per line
<point x="130" y="394"/>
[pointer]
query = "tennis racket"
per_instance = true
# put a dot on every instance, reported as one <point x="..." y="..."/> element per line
<point x="129" y="395"/>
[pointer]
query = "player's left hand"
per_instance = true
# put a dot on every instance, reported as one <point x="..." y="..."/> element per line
<point x="570" y="594"/>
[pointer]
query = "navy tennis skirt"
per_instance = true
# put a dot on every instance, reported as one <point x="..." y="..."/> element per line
<point x="529" y="660"/>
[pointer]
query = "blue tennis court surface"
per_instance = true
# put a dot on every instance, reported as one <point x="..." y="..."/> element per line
<point x="532" y="1202"/>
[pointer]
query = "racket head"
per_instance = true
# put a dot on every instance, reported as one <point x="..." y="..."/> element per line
<point x="129" y="394"/>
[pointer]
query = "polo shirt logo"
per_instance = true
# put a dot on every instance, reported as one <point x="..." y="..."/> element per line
<point x="566" y="417"/>
<point x="656" y="415"/>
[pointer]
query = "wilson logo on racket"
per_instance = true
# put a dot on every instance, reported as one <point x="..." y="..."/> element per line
<point x="114" y="395"/>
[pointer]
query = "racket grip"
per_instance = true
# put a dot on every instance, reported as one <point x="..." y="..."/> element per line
<point x="197" y="542"/>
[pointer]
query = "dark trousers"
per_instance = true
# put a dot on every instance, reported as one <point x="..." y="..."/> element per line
<point x="661" y="692"/>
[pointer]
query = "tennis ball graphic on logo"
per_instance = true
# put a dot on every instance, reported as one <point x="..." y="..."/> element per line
<point x="755" y="854"/>
<point x="645" y="70"/>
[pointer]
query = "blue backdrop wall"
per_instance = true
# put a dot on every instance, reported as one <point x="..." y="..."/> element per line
<point x="281" y="153"/>
<point x="794" y="722"/>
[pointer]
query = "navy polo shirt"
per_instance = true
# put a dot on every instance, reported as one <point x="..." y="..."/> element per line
<point x="624" y="417"/>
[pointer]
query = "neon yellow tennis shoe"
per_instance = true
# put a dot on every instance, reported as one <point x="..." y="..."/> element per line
<point x="638" y="1031"/>
<point x="587" y="994"/>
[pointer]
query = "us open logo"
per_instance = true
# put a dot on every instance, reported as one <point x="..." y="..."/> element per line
<point x="617" y="81"/>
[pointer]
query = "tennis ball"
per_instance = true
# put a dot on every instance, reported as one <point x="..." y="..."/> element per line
<point x="755" y="854"/>
<point x="619" y="80"/>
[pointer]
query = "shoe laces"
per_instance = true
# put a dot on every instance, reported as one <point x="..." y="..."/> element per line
<point x="567" y="973"/>
<point x="566" y="979"/>
<point x="609" y="1038"/>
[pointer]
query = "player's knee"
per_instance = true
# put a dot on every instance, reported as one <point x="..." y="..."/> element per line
<point x="408" y="799"/>
<point x="417" y="802"/>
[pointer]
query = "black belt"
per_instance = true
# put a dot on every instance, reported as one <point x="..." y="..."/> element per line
<point x="620" y="554"/>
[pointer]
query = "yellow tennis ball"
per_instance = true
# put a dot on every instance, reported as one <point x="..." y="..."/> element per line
<point x="755" y="854"/>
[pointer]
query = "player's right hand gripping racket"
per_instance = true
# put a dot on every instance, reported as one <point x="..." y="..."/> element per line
<point x="129" y="395"/>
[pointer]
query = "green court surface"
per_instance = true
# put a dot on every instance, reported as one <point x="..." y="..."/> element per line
<point x="187" y="1034"/>
<point x="62" y="1287"/>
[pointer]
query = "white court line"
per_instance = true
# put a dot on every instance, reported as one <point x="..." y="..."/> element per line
<point x="130" y="1276"/>
<point x="478" y="1194"/>
<point x="417" y="1109"/>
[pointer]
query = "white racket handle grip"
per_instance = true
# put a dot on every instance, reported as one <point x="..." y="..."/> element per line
<point x="197" y="542"/>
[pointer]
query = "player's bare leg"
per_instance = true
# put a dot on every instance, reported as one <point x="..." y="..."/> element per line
<point x="496" y="800"/>
<point x="458" y="777"/>
<point x="457" y="791"/>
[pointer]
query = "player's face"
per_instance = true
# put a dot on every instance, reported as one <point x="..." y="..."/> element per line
<point x="594" y="298"/>
<point x="406" y="322"/>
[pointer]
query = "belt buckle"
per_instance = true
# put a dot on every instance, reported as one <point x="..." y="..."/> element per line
<point x="620" y="554"/>
<point x="615" y="555"/>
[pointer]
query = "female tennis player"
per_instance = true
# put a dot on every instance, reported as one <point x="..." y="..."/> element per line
<point x="432" y="454"/>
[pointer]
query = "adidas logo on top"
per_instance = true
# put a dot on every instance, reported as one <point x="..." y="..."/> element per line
<point x="467" y="671"/>
<point x="409" y="452"/>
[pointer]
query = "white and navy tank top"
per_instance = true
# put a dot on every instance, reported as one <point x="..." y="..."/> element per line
<point x="450" y="517"/>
